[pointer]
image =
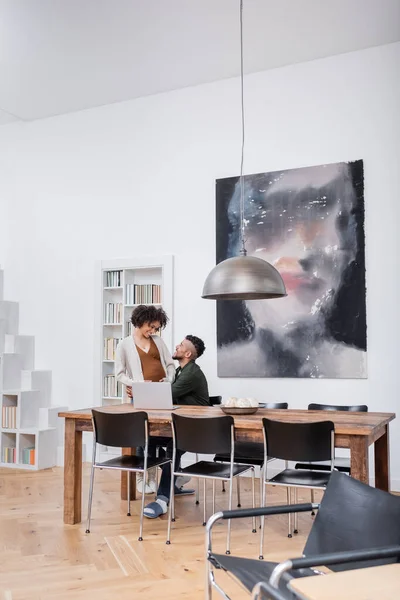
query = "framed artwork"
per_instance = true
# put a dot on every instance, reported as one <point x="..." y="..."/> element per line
<point x="309" y="224"/>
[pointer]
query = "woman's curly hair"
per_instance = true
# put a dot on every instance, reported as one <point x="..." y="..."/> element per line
<point x="149" y="314"/>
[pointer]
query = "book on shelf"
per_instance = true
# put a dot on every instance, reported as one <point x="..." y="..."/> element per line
<point x="113" y="278"/>
<point x="110" y="347"/>
<point x="113" y="312"/>
<point x="9" y="455"/>
<point x="112" y="387"/>
<point x="28" y="456"/>
<point x="9" y="417"/>
<point x="143" y="294"/>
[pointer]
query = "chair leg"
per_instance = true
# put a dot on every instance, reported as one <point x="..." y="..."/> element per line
<point x="90" y="499"/>
<point x="140" y="538"/>
<point x="296" y="515"/>
<point x="197" y="485"/>
<point x="213" y="496"/>
<point x="262" y="503"/>
<point x="289" y="498"/>
<point x="238" y="490"/>
<point x="157" y="468"/>
<point x="312" y="502"/>
<point x="253" y="494"/>
<point x="228" y="541"/>
<point x="204" y="503"/>
<point x="128" y="482"/>
<point x="223" y="486"/>
<point x="171" y="511"/>
<point x="208" y="590"/>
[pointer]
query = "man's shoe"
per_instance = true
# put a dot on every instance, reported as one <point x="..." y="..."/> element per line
<point x="157" y="508"/>
<point x="147" y="490"/>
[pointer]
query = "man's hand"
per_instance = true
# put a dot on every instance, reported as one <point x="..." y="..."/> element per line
<point x="129" y="391"/>
<point x="164" y="379"/>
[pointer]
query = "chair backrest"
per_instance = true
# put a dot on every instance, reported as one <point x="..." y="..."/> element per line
<point x="209" y="435"/>
<point x="351" y="408"/>
<point x="215" y="400"/>
<point x="299" y="441"/>
<point x="121" y="430"/>
<point x="354" y="516"/>
<point x="276" y="405"/>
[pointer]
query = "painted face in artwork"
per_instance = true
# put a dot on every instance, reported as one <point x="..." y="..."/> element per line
<point x="300" y="222"/>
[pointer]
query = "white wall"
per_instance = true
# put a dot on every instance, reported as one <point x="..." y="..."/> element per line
<point x="138" y="178"/>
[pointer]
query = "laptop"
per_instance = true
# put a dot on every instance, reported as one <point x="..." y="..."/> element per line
<point x="148" y="395"/>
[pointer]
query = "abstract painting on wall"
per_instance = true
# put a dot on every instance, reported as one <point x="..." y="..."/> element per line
<point x="308" y="223"/>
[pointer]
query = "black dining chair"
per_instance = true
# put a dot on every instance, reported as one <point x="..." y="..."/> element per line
<point x="250" y="453"/>
<point x="341" y="464"/>
<point x="208" y="435"/>
<point x="122" y="430"/>
<point x="357" y="526"/>
<point x="291" y="441"/>
<point x="215" y="400"/>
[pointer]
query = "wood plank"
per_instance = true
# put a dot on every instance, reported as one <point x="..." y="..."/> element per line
<point x="359" y="463"/>
<point x="382" y="461"/>
<point x="72" y="473"/>
<point x="124" y="479"/>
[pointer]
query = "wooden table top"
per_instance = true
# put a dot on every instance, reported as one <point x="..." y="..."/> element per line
<point x="350" y="423"/>
<point x="373" y="583"/>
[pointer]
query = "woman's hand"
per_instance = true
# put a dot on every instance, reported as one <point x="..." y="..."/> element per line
<point x="164" y="379"/>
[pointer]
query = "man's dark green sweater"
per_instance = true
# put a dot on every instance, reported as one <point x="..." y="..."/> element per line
<point x="190" y="386"/>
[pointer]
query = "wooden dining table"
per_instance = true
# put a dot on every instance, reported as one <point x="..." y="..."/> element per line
<point x="353" y="430"/>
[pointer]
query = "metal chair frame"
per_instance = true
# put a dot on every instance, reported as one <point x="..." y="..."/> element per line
<point x="289" y="488"/>
<point x="129" y="470"/>
<point x="171" y="511"/>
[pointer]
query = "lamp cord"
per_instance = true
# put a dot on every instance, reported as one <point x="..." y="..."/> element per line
<point x="243" y="248"/>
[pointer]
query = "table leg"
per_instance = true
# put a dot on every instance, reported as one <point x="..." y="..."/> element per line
<point x="382" y="461"/>
<point x="124" y="479"/>
<point x="72" y="473"/>
<point x="359" y="458"/>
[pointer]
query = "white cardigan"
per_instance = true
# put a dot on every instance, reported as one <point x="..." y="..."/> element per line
<point x="128" y="367"/>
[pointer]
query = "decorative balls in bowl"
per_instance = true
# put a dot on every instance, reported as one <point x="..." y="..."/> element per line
<point x="240" y="406"/>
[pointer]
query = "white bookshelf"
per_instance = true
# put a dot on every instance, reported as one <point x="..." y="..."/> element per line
<point x="30" y="431"/>
<point x="125" y="284"/>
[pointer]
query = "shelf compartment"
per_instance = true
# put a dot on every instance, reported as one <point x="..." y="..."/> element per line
<point x="27" y="449"/>
<point x="8" y="448"/>
<point x="9" y="411"/>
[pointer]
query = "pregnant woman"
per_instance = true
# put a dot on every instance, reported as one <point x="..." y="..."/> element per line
<point x="143" y="356"/>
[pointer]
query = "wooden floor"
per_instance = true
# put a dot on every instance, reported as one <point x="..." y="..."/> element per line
<point x="41" y="558"/>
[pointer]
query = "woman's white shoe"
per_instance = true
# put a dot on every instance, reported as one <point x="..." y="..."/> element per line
<point x="151" y="485"/>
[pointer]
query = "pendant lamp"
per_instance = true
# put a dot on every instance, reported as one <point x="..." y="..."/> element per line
<point x="243" y="277"/>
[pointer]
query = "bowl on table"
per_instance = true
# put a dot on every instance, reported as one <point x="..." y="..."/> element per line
<point x="240" y="406"/>
<point x="237" y="410"/>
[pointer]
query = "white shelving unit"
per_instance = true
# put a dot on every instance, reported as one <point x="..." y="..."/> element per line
<point x="29" y="429"/>
<point x="140" y="280"/>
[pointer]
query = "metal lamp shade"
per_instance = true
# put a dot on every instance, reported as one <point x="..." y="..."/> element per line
<point x="243" y="278"/>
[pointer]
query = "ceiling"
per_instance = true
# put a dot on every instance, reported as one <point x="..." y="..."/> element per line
<point x="59" y="56"/>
